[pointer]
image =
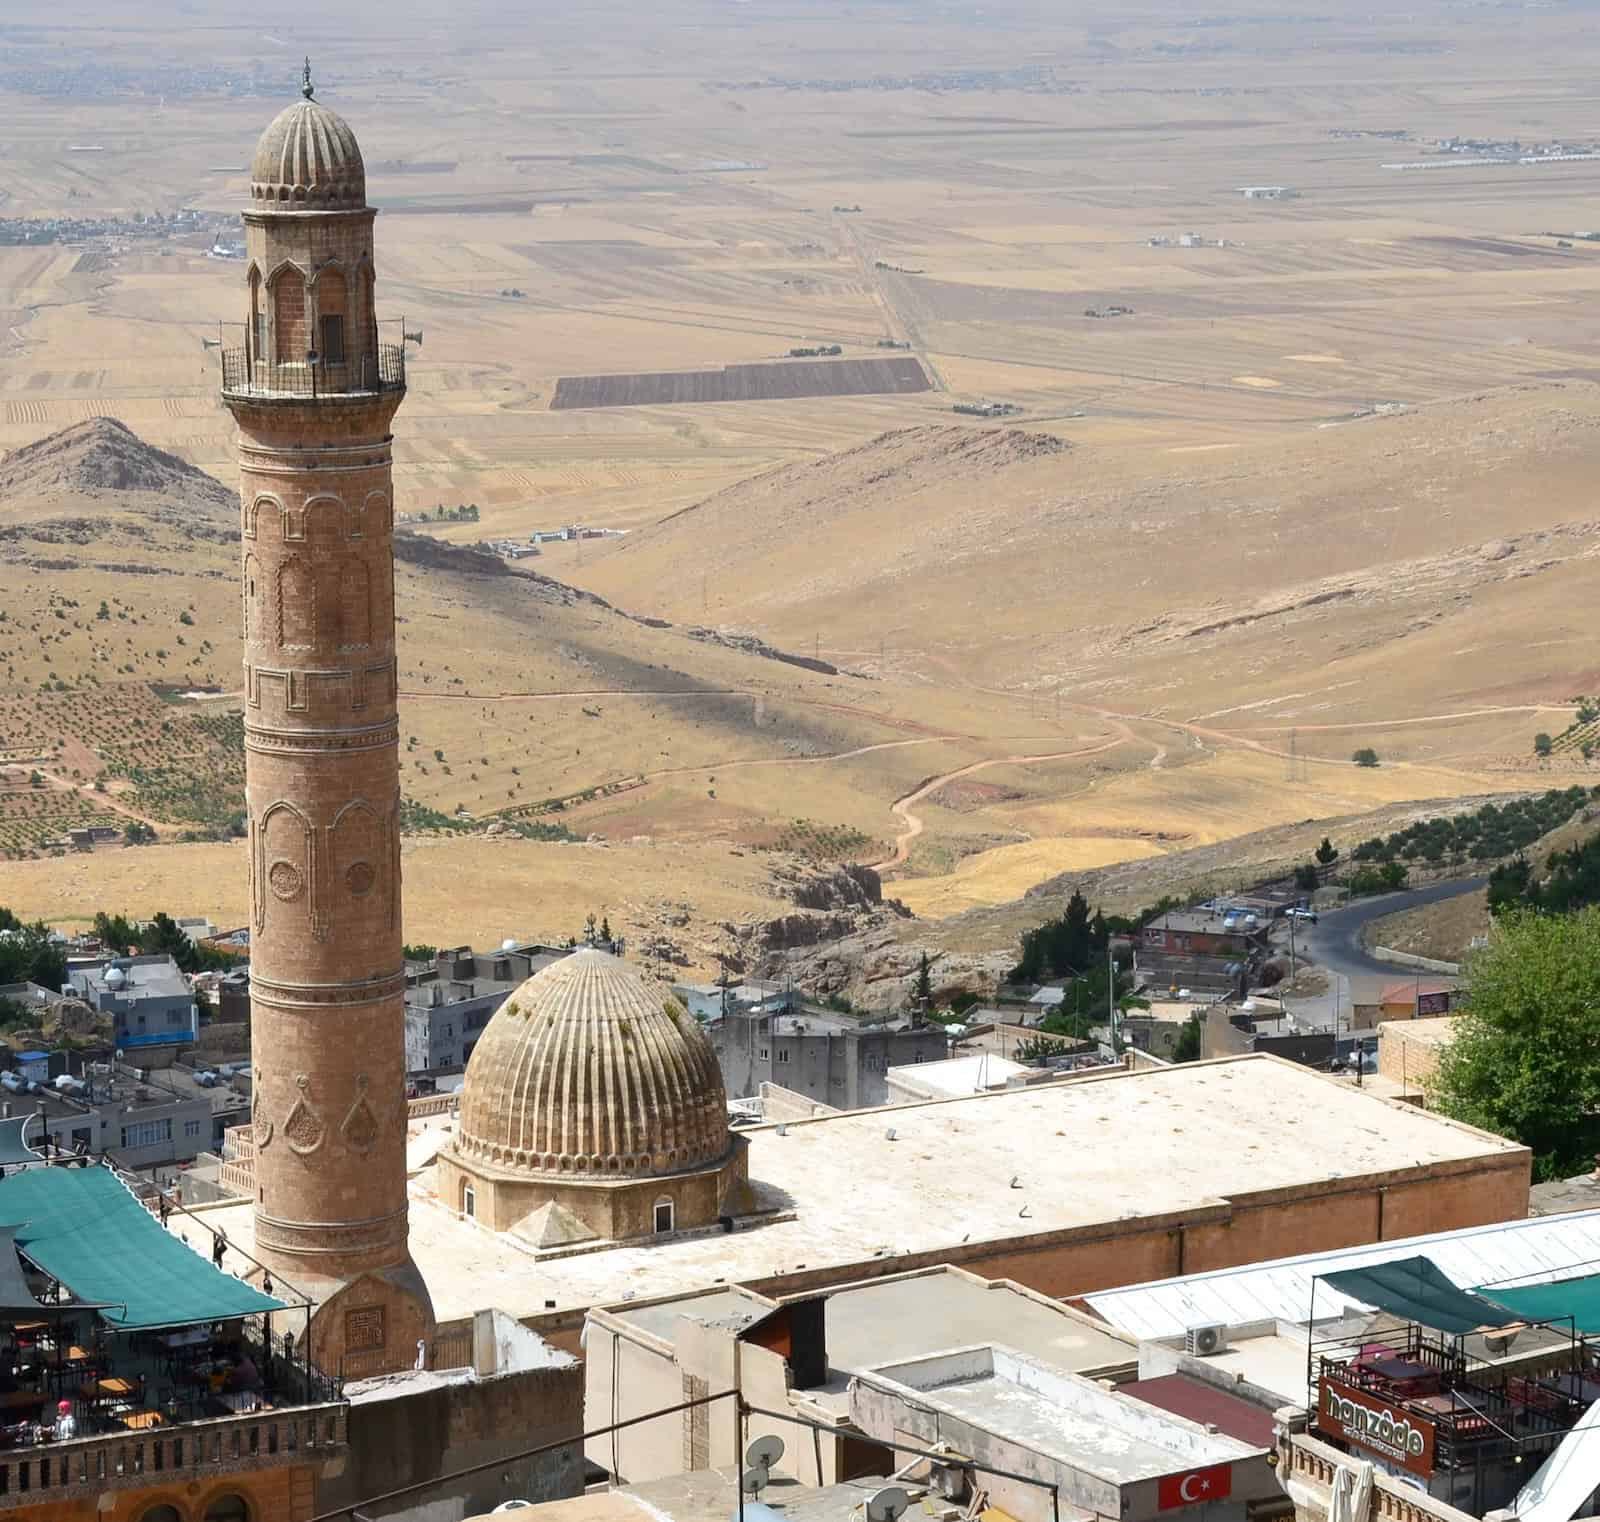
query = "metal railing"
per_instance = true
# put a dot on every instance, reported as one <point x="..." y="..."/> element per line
<point x="449" y="1349"/>
<point x="31" y="1476"/>
<point x="361" y="374"/>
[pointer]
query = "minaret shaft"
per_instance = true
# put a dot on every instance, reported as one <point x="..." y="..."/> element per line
<point x="314" y="394"/>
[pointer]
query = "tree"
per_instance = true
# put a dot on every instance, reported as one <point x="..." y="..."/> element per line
<point x="1366" y="756"/>
<point x="1327" y="853"/>
<point x="924" y="990"/>
<point x="1188" y="1047"/>
<point x="138" y="833"/>
<point x="605" y="928"/>
<point x="1305" y="877"/>
<point x="1525" y="1062"/>
<point x="419" y="952"/>
<point x="28" y="955"/>
<point x="1543" y="744"/>
<point x="1042" y="1048"/>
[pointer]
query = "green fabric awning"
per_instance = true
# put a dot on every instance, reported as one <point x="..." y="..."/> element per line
<point x="83" y="1227"/>
<point x="1577" y="1298"/>
<point x="14" y="1150"/>
<point x="1416" y="1289"/>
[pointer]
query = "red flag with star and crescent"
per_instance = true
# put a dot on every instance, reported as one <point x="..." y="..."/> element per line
<point x="1195" y="1487"/>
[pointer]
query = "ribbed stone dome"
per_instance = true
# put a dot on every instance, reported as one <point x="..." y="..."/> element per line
<point x="592" y="1069"/>
<point x="308" y="158"/>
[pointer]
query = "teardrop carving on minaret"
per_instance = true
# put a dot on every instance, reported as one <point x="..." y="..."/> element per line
<point x="360" y="1126"/>
<point x="302" y="1126"/>
<point x="263" y="1121"/>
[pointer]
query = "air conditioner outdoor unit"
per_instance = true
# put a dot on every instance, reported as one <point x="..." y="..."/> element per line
<point x="1203" y="1341"/>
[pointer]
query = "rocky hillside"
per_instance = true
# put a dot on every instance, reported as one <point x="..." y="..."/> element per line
<point x="105" y="455"/>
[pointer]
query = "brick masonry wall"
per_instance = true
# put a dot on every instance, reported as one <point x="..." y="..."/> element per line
<point x="287" y="1494"/>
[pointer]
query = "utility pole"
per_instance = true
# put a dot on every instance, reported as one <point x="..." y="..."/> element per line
<point x="1111" y="993"/>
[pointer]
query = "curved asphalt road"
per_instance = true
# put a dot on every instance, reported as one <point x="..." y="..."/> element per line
<point x="1334" y="942"/>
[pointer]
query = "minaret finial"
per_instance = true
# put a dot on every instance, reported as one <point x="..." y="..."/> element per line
<point x="307" y="89"/>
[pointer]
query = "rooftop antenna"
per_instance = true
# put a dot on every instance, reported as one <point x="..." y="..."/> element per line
<point x="887" y="1504"/>
<point x="759" y="1458"/>
<point x="307" y="89"/>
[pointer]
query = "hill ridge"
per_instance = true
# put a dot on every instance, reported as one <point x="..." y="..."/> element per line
<point x="104" y="454"/>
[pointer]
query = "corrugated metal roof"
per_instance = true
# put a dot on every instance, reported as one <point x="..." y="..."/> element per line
<point x="1534" y="1251"/>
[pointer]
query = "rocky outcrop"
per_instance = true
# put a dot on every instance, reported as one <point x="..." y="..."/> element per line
<point x="750" y="645"/>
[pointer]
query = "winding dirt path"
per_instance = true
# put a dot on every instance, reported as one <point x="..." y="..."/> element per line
<point x="913" y="824"/>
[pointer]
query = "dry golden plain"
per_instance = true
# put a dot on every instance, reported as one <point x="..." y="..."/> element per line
<point x="1236" y="557"/>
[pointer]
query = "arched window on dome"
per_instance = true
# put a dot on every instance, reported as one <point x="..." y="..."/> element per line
<point x="664" y="1214"/>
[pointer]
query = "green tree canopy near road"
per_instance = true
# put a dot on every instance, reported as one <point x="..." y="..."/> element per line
<point x="1525" y="1062"/>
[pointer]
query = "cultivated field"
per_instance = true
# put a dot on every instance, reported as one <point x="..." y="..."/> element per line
<point x="1328" y="463"/>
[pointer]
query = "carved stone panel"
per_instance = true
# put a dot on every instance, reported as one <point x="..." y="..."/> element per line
<point x="360" y="1126"/>
<point x="302" y="1126"/>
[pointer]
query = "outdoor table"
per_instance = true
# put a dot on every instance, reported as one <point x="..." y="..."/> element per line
<point x="115" y="1386"/>
<point x="139" y="1421"/>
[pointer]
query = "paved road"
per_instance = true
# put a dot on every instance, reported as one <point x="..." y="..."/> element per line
<point x="1334" y="942"/>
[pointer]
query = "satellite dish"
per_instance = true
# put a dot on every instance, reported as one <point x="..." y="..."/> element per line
<point x="512" y="1506"/>
<point x="759" y="1458"/>
<point x="887" y="1504"/>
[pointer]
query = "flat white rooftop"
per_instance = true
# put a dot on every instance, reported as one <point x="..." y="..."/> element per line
<point x="1060" y="1416"/>
<point x="957" y="1077"/>
<point x="1106" y="1149"/>
<point x="1532" y="1251"/>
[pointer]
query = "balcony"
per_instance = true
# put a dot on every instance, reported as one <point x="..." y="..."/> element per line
<point x="193" y="1451"/>
<point x="362" y="375"/>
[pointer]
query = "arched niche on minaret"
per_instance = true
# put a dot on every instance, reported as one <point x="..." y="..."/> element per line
<point x="285" y="867"/>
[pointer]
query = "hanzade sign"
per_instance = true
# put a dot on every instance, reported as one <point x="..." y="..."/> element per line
<point x="1403" y="1438"/>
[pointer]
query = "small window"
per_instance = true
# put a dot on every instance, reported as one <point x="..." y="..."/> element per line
<point x="469" y="1201"/>
<point x="663" y="1215"/>
<point x="783" y="1054"/>
<point x="191" y="1128"/>
<point x="261" y="335"/>
<point x="332" y="330"/>
<point x="763" y="1054"/>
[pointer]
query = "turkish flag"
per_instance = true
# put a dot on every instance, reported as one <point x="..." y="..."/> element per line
<point x="1213" y="1484"/>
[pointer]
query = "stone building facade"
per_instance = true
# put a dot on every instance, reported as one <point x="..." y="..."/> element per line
<point x="314" y="394"/>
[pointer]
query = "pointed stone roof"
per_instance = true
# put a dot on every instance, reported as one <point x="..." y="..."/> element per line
<point x="592" y="1070"/>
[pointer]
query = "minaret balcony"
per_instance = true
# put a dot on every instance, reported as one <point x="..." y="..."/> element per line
<point x="362" y="375"/>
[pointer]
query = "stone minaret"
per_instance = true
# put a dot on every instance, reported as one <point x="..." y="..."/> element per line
<point x="314" y="392"/>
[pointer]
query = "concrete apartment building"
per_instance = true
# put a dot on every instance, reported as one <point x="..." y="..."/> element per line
<point x="1089" y="1451"/>
<point x="145" y="1122"/>
<point x="149" y="1000"/>
<point x="799" y="1354"/>
<point x="450" y="999"/>
<point x="834" y="1059"/>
